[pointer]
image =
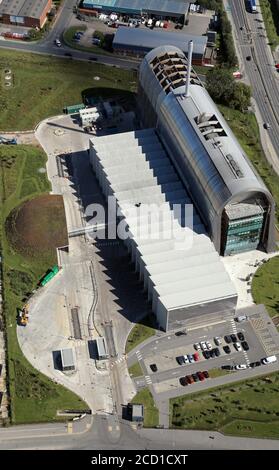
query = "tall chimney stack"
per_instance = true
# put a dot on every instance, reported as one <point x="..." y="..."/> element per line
<point x="189" y="66"/>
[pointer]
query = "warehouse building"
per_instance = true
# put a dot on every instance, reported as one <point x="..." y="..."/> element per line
<point x="187" y="155"/>
<point x="28" y="13"/>
<point x="138" y="41"/>
<point x="161" y="9"/>
<point x="67" y="359"/>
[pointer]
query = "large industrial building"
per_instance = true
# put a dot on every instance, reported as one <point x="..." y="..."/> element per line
<point x="28" y="13"/>
<point x="161" y="9"/>
<point x="187" y="155"/>
<point x="139" y="42"/>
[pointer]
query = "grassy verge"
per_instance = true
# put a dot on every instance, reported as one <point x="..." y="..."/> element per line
<point x="34" y="397"/>
<point x="213" y="373"/>
<point x="140" y="333"/>
<point x="68" y="38"/>
<point x="58" y="83"/>
<point x="246" y="129"/>
<point x="248" y="408"/>
<point x="151" y="413"/>
<point x="265" y="286"/>
<point x="135" y="370"/>
<point x="271" y="20"/>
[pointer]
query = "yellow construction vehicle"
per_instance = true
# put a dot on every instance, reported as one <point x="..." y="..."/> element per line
<point x="24" y="315"/>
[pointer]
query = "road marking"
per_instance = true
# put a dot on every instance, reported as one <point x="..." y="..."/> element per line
<point x="110" y="428"/>
<point x="205" y="325"/>
<point x="70" y="428"/>
<point x="148" y="379"/>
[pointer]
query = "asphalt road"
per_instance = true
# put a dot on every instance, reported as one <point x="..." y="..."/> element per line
<point x="260" y="70"/>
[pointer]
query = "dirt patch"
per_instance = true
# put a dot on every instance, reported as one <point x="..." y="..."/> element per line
<point x="38" y="226"/>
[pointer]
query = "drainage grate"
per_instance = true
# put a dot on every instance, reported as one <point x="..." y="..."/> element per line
<point x="76" y="323"/>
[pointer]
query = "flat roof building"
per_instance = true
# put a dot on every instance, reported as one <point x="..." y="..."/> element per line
<point x="67" y="359"/>
<point x="135" y="412"/>
<point x="101" y="348"/>
<point x="138" y="41"/>
<point x="162" y="9"/>
<point x="29" y="13"/>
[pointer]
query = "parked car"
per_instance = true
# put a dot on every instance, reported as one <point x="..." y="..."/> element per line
<point x="190" y="357"/>
<point x="208" y="345"/>
<point x="180" y="360"/>
<point x="206" y="374"/>
<point x="68" y="54"/>
<point x="245" y="345"/>
<point x="212" y="353"/>
<point x="267" y="125"/>
<point x="241" y="367"/>
<point x="203" y="346"/>
<point x="189" y="379"/>
<point x="93" y="58"/>
<point x="186" y="360"/>
<point x="227" y="367"/>
<point x="227" y="349"/>
<point x="255" y="364"/>
<point x="57" y="42"/>
<point x="195" y="377"/>
<point x="217" y="352"/>
<point x="233" y="338"/>
<point x="269" y="360"/>
<point x="196" y="356"/>
<point x="180" y="333"/>
<point x="200" y="376"/>
<point x="248" y="58"/>
<point x="241" y="318"/>
<point x="240" y="336"/>
<point x="206" y="354"/>
<point x="237" y="346"/>
<point x="197" y="347"/>
<point x="228" y="339"/>
<point x="183" y="381"/>
<point x="218" y="340"/>
<point x="153" y="367"/>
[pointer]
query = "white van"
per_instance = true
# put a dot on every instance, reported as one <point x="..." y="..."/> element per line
<point x="269" y="359"/>
<point x="241" y="318"/>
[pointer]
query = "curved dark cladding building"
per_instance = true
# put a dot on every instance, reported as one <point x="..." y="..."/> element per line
<point x="231" y="198"/>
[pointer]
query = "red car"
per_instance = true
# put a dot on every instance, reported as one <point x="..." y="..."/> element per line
<point x="201" y="376"/>
<point x="196" y="356"/>
<point x="206" y="374"/>
<point x="277" y="66"/>
<point x="189" y="379"/>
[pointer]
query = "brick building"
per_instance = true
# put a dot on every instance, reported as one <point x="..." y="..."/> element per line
<point x="28" y="13"/>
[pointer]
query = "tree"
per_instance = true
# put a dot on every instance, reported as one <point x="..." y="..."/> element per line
<point x="225" y="90"/>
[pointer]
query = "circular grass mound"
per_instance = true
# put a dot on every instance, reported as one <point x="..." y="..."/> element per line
<point x="38" y="226"/>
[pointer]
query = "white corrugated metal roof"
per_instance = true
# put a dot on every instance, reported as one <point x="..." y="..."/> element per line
<point x="182" y="275"/>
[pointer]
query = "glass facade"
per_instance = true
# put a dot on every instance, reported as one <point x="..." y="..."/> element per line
<point x="244" y="234"/>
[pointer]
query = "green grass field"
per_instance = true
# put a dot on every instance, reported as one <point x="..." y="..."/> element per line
<point x="140" y="332"/>
<point x="151" y="413"/>
<point x="43" y="86"/>
<point x="265" y="286"/>
<point x="34" y="398"/>
<point x="135" y="370"/>
<point x="271" y="18"/>
<point x="248" y="408"/>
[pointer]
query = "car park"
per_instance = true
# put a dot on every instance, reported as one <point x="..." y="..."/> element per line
<point x="240" y="336"/>
<point x="183" y="381"/>
<point x="228" y="339"/>
<point x="245" y="345"/>
<point x="206" y="374"/>
<point x="237" y="346"/>
<point x="227" y="349"/>
<point x="153" y="367"/>
<point x="233" y="338"/>
<point x="197" y="347"/>
<point x="180" y="360"/>
<point x="218" y="340"/>
<point x="269" y="360"/>
<point x="196" y="356"/>
<point x="206" y="354"/>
